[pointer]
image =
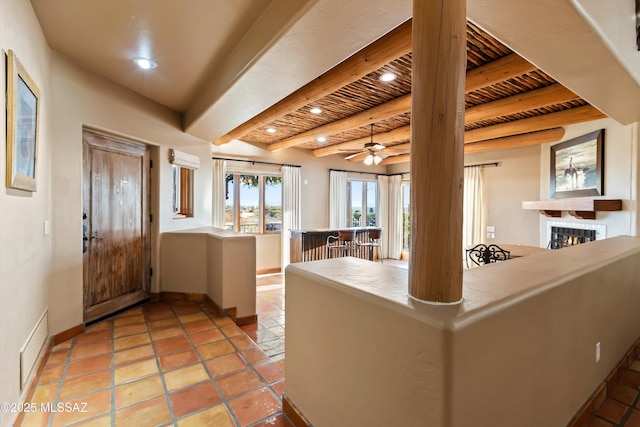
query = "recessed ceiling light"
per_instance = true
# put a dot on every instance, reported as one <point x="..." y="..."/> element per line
<point x="271" y="130"/>
<point x="321" y="139"/>
<point x="315" y="110"/>
<point x="388" y="77"/>
<point x="144" y="63"/>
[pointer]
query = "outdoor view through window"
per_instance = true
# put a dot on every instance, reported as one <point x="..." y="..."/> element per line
<point x="253" y="203"/>
<point x="362" y="193"/>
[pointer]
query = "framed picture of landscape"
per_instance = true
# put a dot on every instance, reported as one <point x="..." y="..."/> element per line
<point x="577" y="167"/>
<point x="23" y="102"/>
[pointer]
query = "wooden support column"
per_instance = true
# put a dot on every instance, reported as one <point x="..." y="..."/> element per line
<point x="437" y="129"/>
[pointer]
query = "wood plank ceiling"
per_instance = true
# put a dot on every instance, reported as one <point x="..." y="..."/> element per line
<point x="508" y="103"/>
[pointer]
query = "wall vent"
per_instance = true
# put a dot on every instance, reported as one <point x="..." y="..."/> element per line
<point x="31" y="349"/>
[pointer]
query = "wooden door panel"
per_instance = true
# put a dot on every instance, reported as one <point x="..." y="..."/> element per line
<point x="117" y="262"/>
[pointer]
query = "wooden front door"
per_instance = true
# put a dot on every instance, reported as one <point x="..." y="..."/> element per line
<point x="117" y="248"/>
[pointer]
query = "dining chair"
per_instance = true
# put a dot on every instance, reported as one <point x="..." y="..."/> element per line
<point x="374" y="241"/>
<point x="344" y="243"/>
<point x="485" y="254"/>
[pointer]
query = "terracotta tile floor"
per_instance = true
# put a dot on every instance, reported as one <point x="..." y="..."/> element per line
<point x="268" y="333"/>
<point x="622" y="405"/>
<point x="170" y="363"/>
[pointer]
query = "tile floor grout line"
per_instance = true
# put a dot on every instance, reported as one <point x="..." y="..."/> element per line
<point x="167" y="394"/>
<point x="62" y="378"/>
<point x="226" y="402"/>
<point x="250" y="366"/>
<point x="204" y="366"/>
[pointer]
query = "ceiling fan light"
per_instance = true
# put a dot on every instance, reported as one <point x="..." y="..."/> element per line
<point x="377" y="159"/>
<point x="369" y="160"/>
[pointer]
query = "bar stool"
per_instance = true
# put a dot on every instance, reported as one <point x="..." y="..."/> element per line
<point x="343" y="243"/>
<point x="375" y="237"/>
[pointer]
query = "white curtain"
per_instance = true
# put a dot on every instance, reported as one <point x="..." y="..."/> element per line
<point x="472" y="215"/>
<point x="219" y="175"/>
<point x="337" y="199"/>
<point x="390" y="214"/>
<point x="291" y="195"/>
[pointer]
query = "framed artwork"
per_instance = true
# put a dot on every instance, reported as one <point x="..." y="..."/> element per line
<point x="577" y="167"/>
<point x="23" y="111"/>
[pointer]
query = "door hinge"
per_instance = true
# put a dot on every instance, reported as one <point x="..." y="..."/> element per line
<point x="151" y="272"/>
<point x="150" y="164"/>
<point x="150" y="217"/>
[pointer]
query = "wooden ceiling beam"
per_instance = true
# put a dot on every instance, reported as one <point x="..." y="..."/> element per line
<point x="508" y="67"/>
<point x="523" y="140"/>
<point x="546" y="121"/>
<point x="397" y="134"/>
<point x="393" y="108"/>
<point x="538" y="98"/>
<point x="386" y="49"/>
<point x="497" y="71"/>
<point x="517" y="127"/>
<point x="533" y="138"/>
<point x="392" y="160"/>
<point x="526" y="101"/>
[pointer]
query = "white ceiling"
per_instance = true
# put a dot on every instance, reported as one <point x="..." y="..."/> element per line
<point x="220" y="62"/>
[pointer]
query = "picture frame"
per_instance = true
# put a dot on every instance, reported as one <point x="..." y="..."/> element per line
<point x="577" y="167"/>
<point x="23" y="114"/>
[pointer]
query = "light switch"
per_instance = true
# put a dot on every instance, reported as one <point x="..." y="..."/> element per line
<point x="491" y="229"/>
<point x="46" y="228"/>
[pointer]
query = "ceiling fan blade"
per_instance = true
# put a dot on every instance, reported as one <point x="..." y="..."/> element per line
<point x="357" y="157"/>
<point x="403" y="147"/>
<point x="392" y="151"/>
<point x="353" y="156"/>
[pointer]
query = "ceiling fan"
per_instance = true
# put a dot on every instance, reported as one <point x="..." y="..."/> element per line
<point x="371" y="153"/>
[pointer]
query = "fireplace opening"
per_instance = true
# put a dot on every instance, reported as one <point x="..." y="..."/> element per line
<point x="562" y="237"/>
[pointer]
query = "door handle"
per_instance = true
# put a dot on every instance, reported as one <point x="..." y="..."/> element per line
<point x="96" y="238"/>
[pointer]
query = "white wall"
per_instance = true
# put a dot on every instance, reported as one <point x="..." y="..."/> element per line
<point x="25" y="253"/>
<point x="528" y="339"/>
<point x="505" y="187"/>
<point x="85" y="99"/>
<point x="620" y="150"/>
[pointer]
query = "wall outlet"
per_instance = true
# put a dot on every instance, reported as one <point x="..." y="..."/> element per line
<point x="597" y="352"/>
<point x="491" y="229"/>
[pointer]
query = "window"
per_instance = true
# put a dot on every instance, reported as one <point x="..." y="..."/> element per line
<point x="362" y="199"/>
<point x="182" y="192"/>
<point x="406" y="218"/>
<point x="254" y="203"/>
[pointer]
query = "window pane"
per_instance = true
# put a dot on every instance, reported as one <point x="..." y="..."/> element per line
<point x="228" y="203"/>
<point x="249" y="204"/>
<point x="372" y="205"/>
<point x="272" y="203"/>
<point x="356" y="203"/>
<point x="406" y="220"/>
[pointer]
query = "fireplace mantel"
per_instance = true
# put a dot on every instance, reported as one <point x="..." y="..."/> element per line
<point x="578" y="208"/>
